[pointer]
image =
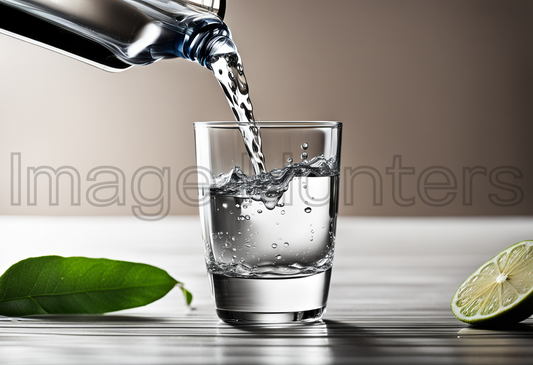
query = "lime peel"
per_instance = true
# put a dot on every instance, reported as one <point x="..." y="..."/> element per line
<point x="500" y="292"/>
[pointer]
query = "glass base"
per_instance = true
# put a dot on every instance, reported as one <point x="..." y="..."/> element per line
<point x="251" y="317"/>
<point x="300" y="299"/>
<point x="312" y="315"/>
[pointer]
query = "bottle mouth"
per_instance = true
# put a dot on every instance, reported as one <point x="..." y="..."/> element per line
<point x="220" y="45"/>
<point x="214" y="43"/>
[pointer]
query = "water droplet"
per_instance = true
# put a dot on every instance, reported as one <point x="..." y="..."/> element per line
<point x="242" y="260"/>
<point x="281" y="204"/>
<point x="305" y="145"/>
<point x="278" y="257"/>
<point x="308" y="210"/>
<point x="234" y="249"/>
<point x="248" y="245"/>
<point x="259" y="211"/>
<point x="237" y="205"/>
<point x="233" y="238"/>
<point x="274" y="245"/>
<point x="244" y="206"/>
<point x="224" y="205"/>
<point x="289" y="160"/>
<point x="247" y="217"/>
<point x="310" y="239"/>
<point x="277" y="223"/>
<point x="312" y="231"/>
<point x="282" y="212"/>
<point x="305" y="186"/>
<point x="227" y="244"/>
<point x="304" y="155"/>
<point x="234" y="257"/>
<point x="231" y="212"/>
<point x="286" y="244"/>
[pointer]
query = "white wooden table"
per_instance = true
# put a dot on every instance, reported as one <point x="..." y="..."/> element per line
<point x="392" y="282"/>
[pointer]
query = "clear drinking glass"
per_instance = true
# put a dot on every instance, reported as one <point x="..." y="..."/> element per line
<point x="269" y="239"/>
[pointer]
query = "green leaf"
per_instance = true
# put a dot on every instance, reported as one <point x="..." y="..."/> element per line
<point x="61" y="285"/>
<point x="188" y="294"/>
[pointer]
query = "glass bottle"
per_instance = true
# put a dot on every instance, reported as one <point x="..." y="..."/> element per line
<point x="116" y="34"/>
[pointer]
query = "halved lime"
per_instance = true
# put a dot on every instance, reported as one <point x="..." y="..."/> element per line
<point x="500" y="291"/>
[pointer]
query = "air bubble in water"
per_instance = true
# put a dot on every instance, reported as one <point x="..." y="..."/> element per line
<point x="305" y="145"/>
<point x="227" y="244"/>
<point x="289" y="160"/>
<point x="247" y="217"/>
<point x="308" y="210"/>
<point x="237" y="206"/>
<point x="305" y="186"/>
<point x="282" y="212"/>
<point x="259" y="211"/>
<point x="278" y="257"/>
<point x="274" y="245"/>
<point x="286" y="244"/>
<point x="281" y="204"/>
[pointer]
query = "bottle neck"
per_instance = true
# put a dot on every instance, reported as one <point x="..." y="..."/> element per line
<point x="210" y="45"/>
<point x="204" y="37"/>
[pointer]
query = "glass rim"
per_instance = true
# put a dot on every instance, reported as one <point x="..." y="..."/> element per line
<point x="269" y="124"/>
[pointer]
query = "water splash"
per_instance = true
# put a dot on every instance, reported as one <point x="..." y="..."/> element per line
<point x="269" y="187"/>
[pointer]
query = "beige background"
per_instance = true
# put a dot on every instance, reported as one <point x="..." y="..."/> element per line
<point x="439" y="83"/>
